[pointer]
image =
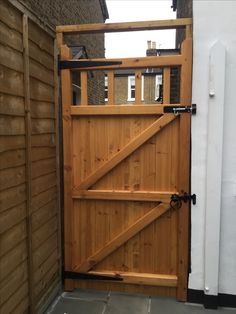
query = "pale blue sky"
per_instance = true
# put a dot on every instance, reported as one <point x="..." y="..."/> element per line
<point x="134" y="44"/>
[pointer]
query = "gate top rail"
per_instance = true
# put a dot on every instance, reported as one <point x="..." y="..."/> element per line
<point x="125" y="26"/>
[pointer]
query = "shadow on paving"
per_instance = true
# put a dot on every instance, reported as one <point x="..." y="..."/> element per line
<point x="95" y="302"/>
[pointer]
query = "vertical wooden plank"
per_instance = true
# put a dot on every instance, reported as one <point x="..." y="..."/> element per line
<point x="188" y="31"/>
<point x="84" y="87"/>
<point x="138" y="87"/>
<point x="66" y="94"/>
<point x="184" y="170"/>
<point x="166" y="86"/>
<point x="59" y="40"/>
<point x="28" y="163"/>
<point x="58" y="155"/>
<point x="111" y="88"/>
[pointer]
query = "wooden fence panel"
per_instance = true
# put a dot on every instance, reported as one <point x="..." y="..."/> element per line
<point x="29" y="211"/>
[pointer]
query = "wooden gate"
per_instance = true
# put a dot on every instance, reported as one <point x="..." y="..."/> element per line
<point x="122" y="163"/>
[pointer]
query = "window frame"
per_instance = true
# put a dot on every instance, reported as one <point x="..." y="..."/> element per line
<point x="105" y="88"/>
<point x="132" y="77"/>
<point x="156" y="96"/>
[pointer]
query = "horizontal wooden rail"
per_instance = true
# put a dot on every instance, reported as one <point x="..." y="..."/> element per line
<point x="101" y="110"/>
<point x="151" y="196"/>
<point x="124" y="27"/>
<point x="141" y="278"/>
<point x="136" y="63"/>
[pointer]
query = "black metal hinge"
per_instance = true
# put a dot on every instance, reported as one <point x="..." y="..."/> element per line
<point x="176" y="200"/>
<point x="181" y="109"/>
<point x="77" y="64"/>
<point x="87" y="276"/>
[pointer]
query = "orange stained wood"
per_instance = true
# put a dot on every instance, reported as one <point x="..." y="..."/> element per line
<point x="122" y="238"/>
<point x="185" y="120"/>
<point x="135" y="63"/>
<point x="125" y="27"/>
<point x="111" y="88"/>
<point x="122" y="164"/>
<point x="138" y="87"/>
<point x="166" y="84"/>
<point x="84" y="88"/>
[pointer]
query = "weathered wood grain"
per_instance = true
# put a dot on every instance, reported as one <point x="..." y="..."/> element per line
<point x="13" y="158"/>
<point x="12" y="177"/>
<point x="12" y="237"/>
<point x="12" y="197"/>
<point x="11" y="82"/>
<point x="11" y="142"/>
<point x="12" y="217"/>
<point x="41" y="153"/>
<point x="45" y="231"/>
<point x="11" y="58"/>
<point x="10" y="16"/>
<point x="43" y="198"/>
<point x="43" y="40"/>
<point x="12" y="125"/>
<point x="43" y="167"/>
<point x="45" y="213"/>
<point x="41" y="126"/>
<point x="12" y="259"/>
<point x="40" y="56"/>
<point x="11" y="105"/>
<point x="43" y="183"/>
<point x="44" y="251"/>
<point x="42" y="110"/>
<point x="40" y="73"/>
<point x="10" y="37"/>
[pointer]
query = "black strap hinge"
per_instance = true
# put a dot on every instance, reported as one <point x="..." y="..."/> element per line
<point x="181" y="109"/>
<point x="81" y="63"/>
<point x="87" y="276"/>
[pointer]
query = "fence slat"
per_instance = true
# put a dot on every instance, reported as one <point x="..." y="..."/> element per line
<point x="84" y="88"/>
<point x="111" y="88"/>
<point x="166" y="86"/>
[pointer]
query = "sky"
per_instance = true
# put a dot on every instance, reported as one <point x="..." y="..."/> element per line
<point x="134" y="44"/>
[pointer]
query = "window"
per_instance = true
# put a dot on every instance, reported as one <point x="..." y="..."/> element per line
<point x="131" y="88"/>
<point x="158" y="88"/>
<point x="106" y="88"/>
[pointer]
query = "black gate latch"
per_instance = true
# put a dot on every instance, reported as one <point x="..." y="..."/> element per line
<point x="176" y="200"/>
<point x="181" y="109"/>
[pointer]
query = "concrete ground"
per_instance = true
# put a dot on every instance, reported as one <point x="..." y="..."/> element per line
<point x="95" y="302"/>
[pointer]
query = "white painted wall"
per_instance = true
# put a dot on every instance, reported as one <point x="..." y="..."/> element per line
<point x="214" y="21"/>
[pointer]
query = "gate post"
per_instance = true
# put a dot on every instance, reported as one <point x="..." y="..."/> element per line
<point x="184" y="170"/>
<point x="66" y="96"/>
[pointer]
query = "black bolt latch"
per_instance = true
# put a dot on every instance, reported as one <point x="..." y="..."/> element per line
<point x="176" y="200"/>
<point x="181" y="109"/>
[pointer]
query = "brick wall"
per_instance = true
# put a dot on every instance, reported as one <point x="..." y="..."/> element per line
<point x="121" y="90"/>
<point x="61" y="12"/>
<point x="184" y="9"/>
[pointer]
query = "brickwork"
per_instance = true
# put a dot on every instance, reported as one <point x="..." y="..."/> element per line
<point x="184" y="8"/>
<point x="61" y="12"/>
<point x="175" y="85"/>
<point x="121" y="90"/>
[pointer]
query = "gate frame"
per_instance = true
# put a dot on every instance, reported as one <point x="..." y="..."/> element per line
<point x="185" y="124"/>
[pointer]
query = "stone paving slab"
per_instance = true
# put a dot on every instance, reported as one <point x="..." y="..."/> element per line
<point x="127" y="304"/>
<point x="170" y="306"/>
<point x="83" y="301"/>
<point x="78" y="306"/>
